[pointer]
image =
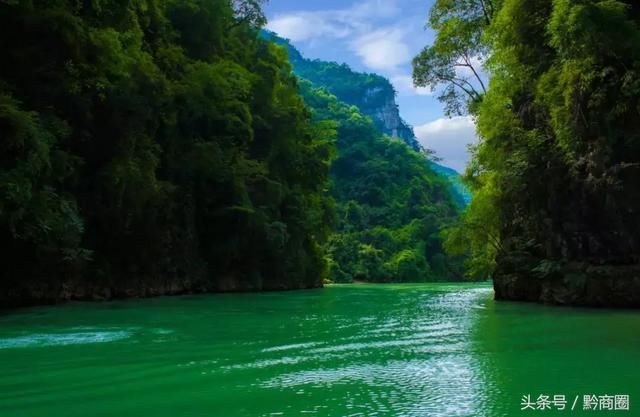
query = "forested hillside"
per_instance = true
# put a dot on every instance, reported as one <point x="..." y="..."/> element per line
<point x="374" y="96"/>
<point x="555" y="216"/>
<point x="165" y="146"/>
<point x="391" y="204"/>
<point x="459" y="190"/>
<point x="152" y="147"/>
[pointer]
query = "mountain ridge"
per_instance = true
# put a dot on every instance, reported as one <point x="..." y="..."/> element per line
<point x="391" y="200"/>
<point x="375" y="96"/>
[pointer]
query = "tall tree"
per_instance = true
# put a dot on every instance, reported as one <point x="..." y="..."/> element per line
<point x="555" y="171"/>
<point x="453" y="62"/>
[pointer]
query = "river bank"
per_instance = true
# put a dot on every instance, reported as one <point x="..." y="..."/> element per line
<point x="50" y="293"/>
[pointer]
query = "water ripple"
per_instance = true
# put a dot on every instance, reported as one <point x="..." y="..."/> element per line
<point x="63" y="339"/>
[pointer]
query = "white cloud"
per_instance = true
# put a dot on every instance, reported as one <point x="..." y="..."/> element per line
<point x="464" y="71"/>
<point x="373" y="9"/>
<point x="383" y="49"/>
<point x="404" y="86"/>
<point x="467" y="73"/>
<point x="450" y="139"/>
<point x="304" y="26"/>
<point x="336" y="23"/>
<point x="359" y="25"/>
<point x="294" y="27"/>
<point x="382" y="34"/>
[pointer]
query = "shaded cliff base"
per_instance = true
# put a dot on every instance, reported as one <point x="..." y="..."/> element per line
<point x="50" y="293"/>
<point x="579" y="284"/>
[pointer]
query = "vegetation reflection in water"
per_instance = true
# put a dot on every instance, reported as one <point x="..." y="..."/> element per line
<point x="361" y="350"/>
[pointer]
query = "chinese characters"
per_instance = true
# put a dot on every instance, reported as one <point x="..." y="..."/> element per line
<point x="587" y="402"/>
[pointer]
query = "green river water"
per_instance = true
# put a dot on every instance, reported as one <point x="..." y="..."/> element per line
<point x="427" y="350"/>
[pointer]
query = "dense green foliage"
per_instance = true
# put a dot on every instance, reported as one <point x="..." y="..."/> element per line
<point x="392" y="200"/>
<point x="156" y="140"/>
<point x="343" y="82"/>
<point x="390" y="205"/>
<point x="555" y="174"/>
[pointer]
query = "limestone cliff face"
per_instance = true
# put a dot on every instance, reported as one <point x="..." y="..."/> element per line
<point x="576" y="283"/>
<point x="577" y="246"/>
<point x="382" y="107"/>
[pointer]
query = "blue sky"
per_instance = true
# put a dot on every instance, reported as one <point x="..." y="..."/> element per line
<point x="380" y="36"/>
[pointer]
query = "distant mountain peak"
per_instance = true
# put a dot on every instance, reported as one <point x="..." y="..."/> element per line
<point x="373" y="94"/>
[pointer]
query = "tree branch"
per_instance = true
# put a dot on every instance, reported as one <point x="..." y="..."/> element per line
<point x="469" y="93"/>
<point x="475" y="93"/>
<point x="485" y="12"/>
<point x="468" y="63"/>
<point x="492" y="239"/>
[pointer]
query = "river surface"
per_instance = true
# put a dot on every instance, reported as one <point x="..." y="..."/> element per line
<point x="427" y="350"/>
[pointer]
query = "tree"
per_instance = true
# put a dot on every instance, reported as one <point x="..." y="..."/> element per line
<point x="454" y="60"/>
<point x="156" y="144"/>
<point x="390" y="204"/>
<point x="554" y="174"/>
<point x="248" y="12"/>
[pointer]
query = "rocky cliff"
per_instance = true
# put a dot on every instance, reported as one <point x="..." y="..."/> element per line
<point x="381" y="106"/>
<point x="576" y="283"/>
<point x="578" y="246"/>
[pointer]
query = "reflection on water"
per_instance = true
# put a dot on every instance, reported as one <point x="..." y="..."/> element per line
<point x="368" y="350"/>
<point x="413" y="358"/>
<point x="527" y="349"/>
